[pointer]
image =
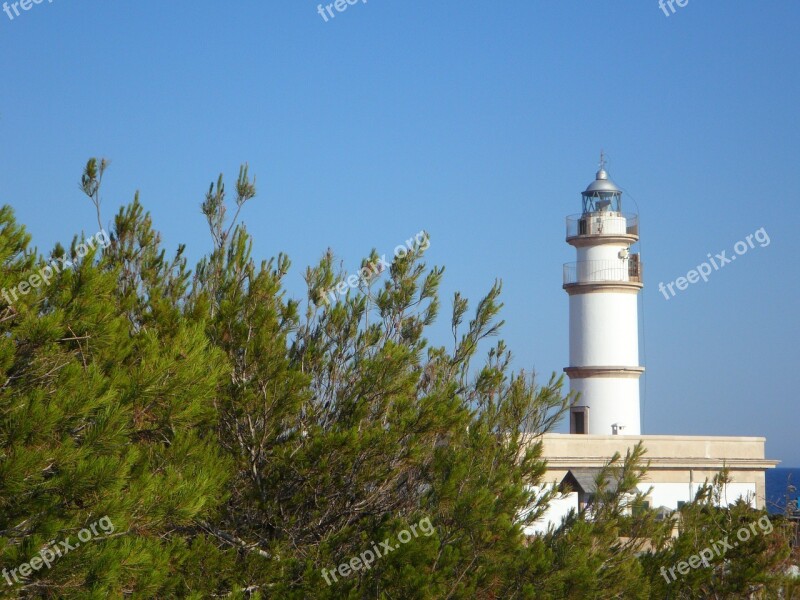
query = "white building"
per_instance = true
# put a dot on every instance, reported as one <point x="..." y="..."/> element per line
<point x="603" y="287"/>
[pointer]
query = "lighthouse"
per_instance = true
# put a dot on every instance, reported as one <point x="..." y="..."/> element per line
<point x="603" y="287"/>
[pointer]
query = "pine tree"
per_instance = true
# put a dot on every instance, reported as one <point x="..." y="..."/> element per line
<point x="106" y="412"/>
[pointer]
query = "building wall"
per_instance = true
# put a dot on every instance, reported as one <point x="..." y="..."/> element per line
<point x="670" y="494"/>
<point x="603" y="330"/>
<point x="659" y="493"/>
<point x="558" y="509"/>
<point x="683" y="461"/>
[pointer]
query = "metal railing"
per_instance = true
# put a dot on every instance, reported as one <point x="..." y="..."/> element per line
<point x="603" y="271"/>
<point x="603" y="223"/>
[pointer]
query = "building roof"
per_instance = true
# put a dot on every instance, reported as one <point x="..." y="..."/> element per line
<point x="584" y="481"/>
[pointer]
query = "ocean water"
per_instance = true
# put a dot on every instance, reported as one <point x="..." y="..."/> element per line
<point x="777" y="484"/>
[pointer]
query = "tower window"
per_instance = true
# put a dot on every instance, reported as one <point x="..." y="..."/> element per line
<point x="579" y="420"/>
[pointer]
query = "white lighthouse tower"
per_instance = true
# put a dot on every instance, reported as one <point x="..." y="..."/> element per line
<point x="603" y="287"/>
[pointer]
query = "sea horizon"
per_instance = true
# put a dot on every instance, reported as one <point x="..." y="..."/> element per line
<point x="777" y="481"/>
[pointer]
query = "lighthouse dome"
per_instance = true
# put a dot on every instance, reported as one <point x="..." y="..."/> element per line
<point x="602" y="184"/>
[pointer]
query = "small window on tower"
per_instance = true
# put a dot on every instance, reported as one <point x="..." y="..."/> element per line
<point x="579" y="418"/>
<point x="580" y="427"/>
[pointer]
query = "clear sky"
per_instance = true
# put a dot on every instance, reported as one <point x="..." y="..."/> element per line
<point x="480" y="122"/>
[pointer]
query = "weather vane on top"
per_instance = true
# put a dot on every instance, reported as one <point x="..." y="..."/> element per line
<point x="602" y="160"/>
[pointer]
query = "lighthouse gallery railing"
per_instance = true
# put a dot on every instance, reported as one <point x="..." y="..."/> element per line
<point x="599" y="271"/>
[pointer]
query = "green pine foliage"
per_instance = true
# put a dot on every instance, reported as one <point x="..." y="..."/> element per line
<point x="241" y="440"/>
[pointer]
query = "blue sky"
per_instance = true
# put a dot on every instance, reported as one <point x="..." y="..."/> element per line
<point x="479" y="122"/>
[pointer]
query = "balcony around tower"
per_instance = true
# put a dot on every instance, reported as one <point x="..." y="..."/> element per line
<point x="591" y="272"/>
